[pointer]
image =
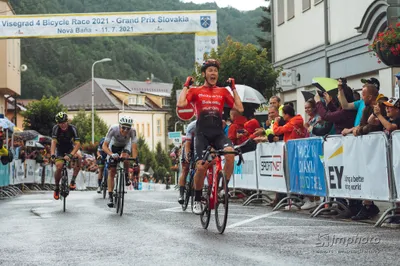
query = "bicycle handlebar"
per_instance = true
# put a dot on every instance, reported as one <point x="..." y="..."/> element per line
<point x="222" y="152"/>
<point x="121" y="159"/>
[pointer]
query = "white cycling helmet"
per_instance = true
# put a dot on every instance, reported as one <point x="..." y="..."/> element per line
<point x="126" y="121"/>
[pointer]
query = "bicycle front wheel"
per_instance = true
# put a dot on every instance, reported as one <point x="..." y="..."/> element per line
<point x="116" y="193"/>
<point x="121" y="193"/>
<point x="221" y="206"/>
<point x="206" y="215"/>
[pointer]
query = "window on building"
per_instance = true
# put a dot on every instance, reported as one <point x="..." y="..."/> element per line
<point x="316" y="2"/>
<point x="140" y="100"/>
<point x="137" y="129"/>
<point x="306" y="5"/>
<point x="159" y="132"/>
<point x="290" y="9"/>
<point x="148" y="130"/>
<point x="143" y="132"/>
<point x="166" y="102"/>
<point x="281" y="12"/>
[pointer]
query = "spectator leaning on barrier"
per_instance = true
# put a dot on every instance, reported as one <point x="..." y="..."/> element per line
<point x="315" y="125"/>
<point x="5" y="155"/>
<point x="268" y="134"/>
<point x="251" y="127"/>
<point x="357" y="105"/>
<point x="340" y="117"/>
<point x="294" y="127"/>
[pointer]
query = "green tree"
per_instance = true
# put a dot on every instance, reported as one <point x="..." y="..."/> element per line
<point x="146" y="157"/>
<point x="246" y="63"/>
<point x="162" y="157"/>
<point x="174" y="118"/>
<point x="83" y="123"/>
<point x="40" y="115"/>
<point x="160" y="173"/>
<point x="265" y="26"/>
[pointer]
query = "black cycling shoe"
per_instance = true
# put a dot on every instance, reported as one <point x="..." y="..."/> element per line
<point x="127" y="181"/>
<point x="181" y="200"/>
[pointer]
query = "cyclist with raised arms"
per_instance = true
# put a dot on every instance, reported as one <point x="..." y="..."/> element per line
<point x="65" y="144"/>
<point x="186" y="158"/>
<point x="209" y="101"/>
<point x="120" y="141"/>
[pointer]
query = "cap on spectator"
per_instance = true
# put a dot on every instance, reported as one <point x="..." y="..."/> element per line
<point x="393" y="102"/>
<point x="397" y="75"/>
<point x="382" y="98"/>
<point x="372" y="81"/>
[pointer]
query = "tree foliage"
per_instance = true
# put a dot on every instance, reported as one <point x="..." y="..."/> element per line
<point x="265" y="26"/>
<point x="40" y="115"/>
<point x="174" y="118"/>
<point x="55" y="66"/>
<point x="83" y="123"/>
<point x="248" y="64"/>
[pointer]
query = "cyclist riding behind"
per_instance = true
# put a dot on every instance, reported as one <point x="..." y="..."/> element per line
<point x="120" y="141"/>
<point x="65" y="143"/>
<point x="101" y="161"/>
<point x="186" y="158"/>
<point x="209" y="101"/>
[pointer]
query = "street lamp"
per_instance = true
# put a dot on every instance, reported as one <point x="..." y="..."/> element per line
<point x="100" y="61"/>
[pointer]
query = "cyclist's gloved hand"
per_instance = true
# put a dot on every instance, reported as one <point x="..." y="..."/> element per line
<point x="53" y="158"/>
<point x="115" y="155"/>
<point x="231" y="82"/>
<point x="188" y="82"/>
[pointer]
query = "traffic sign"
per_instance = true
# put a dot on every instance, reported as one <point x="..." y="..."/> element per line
<point x="174" y="135"/>
<point x="185" y="113"/>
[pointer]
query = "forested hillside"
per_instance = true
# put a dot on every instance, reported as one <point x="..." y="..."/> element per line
<point x="58" y="65"/>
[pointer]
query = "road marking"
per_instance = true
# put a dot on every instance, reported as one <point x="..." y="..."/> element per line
<point x="173" y="209"/>
<point x="156" y="201"/>
<point x="252" y="219"/>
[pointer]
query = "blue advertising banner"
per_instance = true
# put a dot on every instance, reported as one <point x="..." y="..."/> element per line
<point x="306" y="169"/>
<point x="4" y="175"/>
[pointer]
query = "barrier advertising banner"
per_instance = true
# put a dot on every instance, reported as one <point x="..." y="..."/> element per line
<point x="356" y="167"/>
<point x="245" y="174"/>
<point x="396" y="160"/>
<point x="270" y="167"/>
<point x="306" y="169"/>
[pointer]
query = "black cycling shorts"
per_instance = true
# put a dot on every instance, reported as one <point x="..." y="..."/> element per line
<point x="111" y="161"/>
<point x="201" y="142"/>
<point x="63" y="152"/>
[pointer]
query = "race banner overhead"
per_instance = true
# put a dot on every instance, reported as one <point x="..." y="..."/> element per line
<point x="108" y="24"/>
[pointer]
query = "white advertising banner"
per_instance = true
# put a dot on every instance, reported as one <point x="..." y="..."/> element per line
<point x="19" y="172"/>
<point x="396" y="160"/>
<point x="204" y="43"/>
<point x="30" y="171"/>
<point x="270" y="167"/>
<point x="107" y="24"/>
<point x="356" y="167"/>
<point x="245" y="174"/>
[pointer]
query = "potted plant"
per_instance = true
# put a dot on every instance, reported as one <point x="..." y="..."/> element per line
<point x="386" y="46"/>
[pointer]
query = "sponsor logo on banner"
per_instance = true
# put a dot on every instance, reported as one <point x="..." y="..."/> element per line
<point x="205" y="21"/>
<point x="271" y="166"/>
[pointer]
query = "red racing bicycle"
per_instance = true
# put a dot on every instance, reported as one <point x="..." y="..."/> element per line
<point x="215" y="195"/>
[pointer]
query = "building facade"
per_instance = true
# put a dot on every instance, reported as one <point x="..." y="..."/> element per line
<point x="327" y="38"/>
<point x="146" y="102"/>
<point x="10" y="62"/>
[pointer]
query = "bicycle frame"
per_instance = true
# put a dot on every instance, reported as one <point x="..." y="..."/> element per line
<point x="212" y="179"/>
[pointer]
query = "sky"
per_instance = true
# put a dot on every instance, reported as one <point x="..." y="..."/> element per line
<point x="242" y="5"/>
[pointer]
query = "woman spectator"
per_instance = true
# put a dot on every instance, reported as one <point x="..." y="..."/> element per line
<point x="315" y="125"/>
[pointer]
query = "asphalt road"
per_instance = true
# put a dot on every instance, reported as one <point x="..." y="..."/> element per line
<point x="155" y="231"/>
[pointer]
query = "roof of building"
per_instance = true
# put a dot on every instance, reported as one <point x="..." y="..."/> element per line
<point x="109" y="95"/>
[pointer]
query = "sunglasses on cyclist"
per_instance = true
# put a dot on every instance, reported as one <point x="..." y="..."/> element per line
<point x="125" y="128"/>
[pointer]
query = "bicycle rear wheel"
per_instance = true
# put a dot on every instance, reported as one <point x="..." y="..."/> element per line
<point x="121" y="193"/>
<point x="186" y="196"/>
<point x="64" y="203"/>
<point x="221" y="214"/>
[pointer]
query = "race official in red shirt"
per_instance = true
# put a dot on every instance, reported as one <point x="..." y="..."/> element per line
<point x="209" y="101"/>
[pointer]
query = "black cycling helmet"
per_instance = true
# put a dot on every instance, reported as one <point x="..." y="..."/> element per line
<point x="208" y="63"/>
<point x="61" y="117"/>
